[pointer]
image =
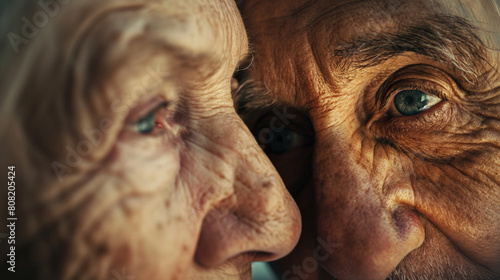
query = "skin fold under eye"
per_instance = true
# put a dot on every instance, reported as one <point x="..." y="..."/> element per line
<point x="412" y="102"/>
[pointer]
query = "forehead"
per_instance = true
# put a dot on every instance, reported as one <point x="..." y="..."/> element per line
<point x="128" y="36"/>
<point x="338" y="21"/>
<point x="333" y="22"/>
<point x="212" y="27"/>
<point x="341" y="14"/>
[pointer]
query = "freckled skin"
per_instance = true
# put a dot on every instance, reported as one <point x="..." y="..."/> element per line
<point x="404" y="198"/>
<point x="196" y="198"/>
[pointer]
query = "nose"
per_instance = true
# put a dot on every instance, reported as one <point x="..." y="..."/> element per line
<point x="259" y="218"/>
<point x="371" y="221"/>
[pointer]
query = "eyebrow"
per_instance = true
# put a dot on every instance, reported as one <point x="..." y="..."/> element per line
<point x="451" y="40"/>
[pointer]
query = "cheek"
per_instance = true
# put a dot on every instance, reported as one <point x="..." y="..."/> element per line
<point x="206" y="176"/>
<point x="137" y="211"/>
<point x="457" y="201"/>
<point x="359" y="184"/>
<point x="462" y="200"/>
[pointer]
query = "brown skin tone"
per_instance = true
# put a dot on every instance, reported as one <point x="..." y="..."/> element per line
<point x="401" y="196"/>
<point x="190" y="197"/>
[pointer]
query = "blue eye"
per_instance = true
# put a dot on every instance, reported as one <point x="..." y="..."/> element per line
<point x="280" y="142"/>
<point x="412" y="102"/>
<point x="146" y="124"/>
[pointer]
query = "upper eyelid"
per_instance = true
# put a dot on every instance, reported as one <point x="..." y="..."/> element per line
<point x="422" y="75"/>
<point x="143" y="109"/>
<point x="155" y="110"/>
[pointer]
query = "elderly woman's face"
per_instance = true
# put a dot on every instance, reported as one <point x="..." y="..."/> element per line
<point x="174" y="185"/>
<point x="403" y="101"/>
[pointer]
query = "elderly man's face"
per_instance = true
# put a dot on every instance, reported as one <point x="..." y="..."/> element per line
<point x="152" y="174"/>
<point x="404" y="106"/>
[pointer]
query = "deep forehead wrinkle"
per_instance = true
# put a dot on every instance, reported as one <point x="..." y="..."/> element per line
<point x="451" y="40"/>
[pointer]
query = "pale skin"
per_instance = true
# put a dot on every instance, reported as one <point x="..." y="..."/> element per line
<point x="401" y="196"/>
<point x="175" y="186"/>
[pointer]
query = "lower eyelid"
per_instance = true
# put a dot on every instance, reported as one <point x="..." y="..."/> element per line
<point x="421" y="134"/>
<point x="433" y="119"/>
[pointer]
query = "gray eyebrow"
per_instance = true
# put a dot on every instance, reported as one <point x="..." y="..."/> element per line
<point x="452" y="40"/>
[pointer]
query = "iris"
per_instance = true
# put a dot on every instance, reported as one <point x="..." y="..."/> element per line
<point x="284" y="140"/>
<point x="412" y="102"/>
<point x="146" y="124"/>
<point x="281" y="142"/>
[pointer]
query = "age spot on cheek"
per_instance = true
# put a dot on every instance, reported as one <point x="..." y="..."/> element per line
<point x="266" y="184"/>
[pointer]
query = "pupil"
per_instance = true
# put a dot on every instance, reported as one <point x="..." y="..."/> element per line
<point x="281" y="142"/>
<point x="409" y="100"/>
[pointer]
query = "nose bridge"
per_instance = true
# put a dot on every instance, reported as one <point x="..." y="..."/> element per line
<point x="373" y="233"/>
<point x="258" y="186"/>
<point x="240" y="167"/>
<point x="252" y="171"/>
<point x="259" y="215"/>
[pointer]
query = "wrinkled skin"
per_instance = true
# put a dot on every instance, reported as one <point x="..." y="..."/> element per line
<point x="194" y="198"/>
<point x="394" y="196"/>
